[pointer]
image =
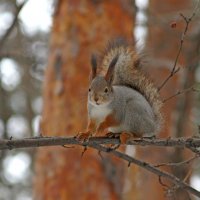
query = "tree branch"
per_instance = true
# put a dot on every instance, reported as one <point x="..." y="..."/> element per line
<point x="9" y="30"/>
<point x="175" y="69"/>
<point x="95" y="142"/>
<point x="178" y="163"/>
<point x="190" y="143"/>
<point x="189" y="89"/>
<point x="149" y="168"/>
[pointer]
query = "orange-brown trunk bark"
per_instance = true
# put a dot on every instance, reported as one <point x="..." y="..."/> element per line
<point x="80" y="27"/>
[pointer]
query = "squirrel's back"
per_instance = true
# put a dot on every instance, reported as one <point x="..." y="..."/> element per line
<point x="128" y="73"/>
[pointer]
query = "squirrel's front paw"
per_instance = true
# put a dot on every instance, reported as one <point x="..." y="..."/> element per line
<point x="83" y="136"/>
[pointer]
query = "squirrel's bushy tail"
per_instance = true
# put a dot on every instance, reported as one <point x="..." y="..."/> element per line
<point x="128" y="73"/>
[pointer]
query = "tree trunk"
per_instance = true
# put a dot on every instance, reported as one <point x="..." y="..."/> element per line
<point x="80" y="27"/>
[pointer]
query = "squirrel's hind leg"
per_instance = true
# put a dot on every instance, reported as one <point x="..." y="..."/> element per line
<point x="125" y="136"/>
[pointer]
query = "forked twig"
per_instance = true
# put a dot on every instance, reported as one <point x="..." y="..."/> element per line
<point x="179" y="183"/>
<point x="178" y="163"/>
<point x="9" y="30"/>
<point x="95" y="142"/>
<point x="175" y="69"/>
<point x="190" y="89"/>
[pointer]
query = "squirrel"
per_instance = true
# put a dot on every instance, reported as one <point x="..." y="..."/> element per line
<point x="121" y="99"/>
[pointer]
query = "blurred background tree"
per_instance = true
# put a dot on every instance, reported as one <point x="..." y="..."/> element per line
<point x="24" y="33"/>
<point x="80" y="28"/>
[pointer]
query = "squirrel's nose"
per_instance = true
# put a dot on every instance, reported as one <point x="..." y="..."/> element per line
<point x="96" y="99"/>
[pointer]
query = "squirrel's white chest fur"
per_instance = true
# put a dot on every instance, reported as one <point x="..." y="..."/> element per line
<point x="100" y="112"/>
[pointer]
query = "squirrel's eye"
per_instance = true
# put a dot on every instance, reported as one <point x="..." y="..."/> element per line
<point x="106" y="90"/>
<point x="89" y="90"/>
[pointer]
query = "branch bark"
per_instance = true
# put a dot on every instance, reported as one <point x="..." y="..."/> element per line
<point x="150" y="168"/>
<point x="95" y="142"/>
<point x="190" y="143"/>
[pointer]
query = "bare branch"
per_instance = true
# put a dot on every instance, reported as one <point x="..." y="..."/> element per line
<point x="178" y="163"/>
<point x="148" y="167"/>
<point x="95" y="142"/>
<point x="190" y="143"/>
<point x="161" y="182"/>
<point x="190" y="89"/>
<point x="9" y="30"/>
<point x="174" y="68"/>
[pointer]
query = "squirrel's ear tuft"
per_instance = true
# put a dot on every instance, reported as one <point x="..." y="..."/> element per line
<point x="110" y="73"/>
<point x="94" y="65"/>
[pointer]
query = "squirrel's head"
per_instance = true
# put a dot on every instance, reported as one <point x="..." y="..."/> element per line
<point x="101" y="91"/>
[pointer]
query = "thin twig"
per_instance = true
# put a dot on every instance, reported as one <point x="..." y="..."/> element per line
<point x="161" y="182"/>
<point x="190" y="89"/>
<point x="178" y="163"/>
<point x="188" y="175"/>
<point x="174" y="68"/>
<point x="9" y="30"/>
<point x="84" y="150"/>
<point x="149" y="168"/>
